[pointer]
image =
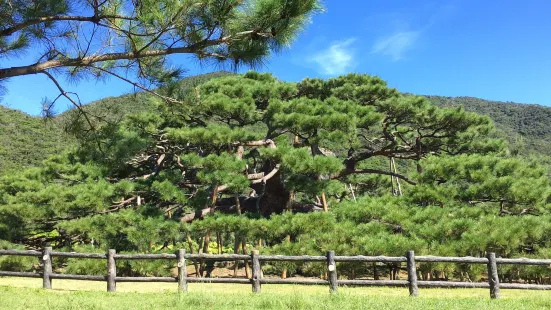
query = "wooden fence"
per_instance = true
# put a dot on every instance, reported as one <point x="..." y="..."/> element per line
<point x="257" y="280"/>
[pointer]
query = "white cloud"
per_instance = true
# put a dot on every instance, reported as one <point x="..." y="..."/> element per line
<point x="409" y="28"/>
<point x="337" y="59"/>
<point x="396" y="44"/>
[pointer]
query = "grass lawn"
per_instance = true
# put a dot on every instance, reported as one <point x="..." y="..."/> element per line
<point x="23" y="293"/>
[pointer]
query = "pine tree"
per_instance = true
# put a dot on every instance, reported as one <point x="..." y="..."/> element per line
<point x="262" y="140"/>
<point x="241" y="151"/>
<point x="513" y="185"/>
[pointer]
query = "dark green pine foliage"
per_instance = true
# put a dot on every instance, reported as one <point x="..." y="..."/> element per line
<point x="515" y="185"/>
<point x="254" y="133"/>
<point x="273" y="146"/>
<point x="148" y="182"/>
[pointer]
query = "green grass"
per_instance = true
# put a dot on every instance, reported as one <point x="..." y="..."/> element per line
<point x="18" y="293"/>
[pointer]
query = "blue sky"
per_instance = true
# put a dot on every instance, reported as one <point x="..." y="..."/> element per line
<point x="497" y="50"/>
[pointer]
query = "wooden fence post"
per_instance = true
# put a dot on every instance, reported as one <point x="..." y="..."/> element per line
<point x="182" y="272"/>
<point x="412" y="274"/>
<point x="332" y="268"/>
<point x="493" y="278"/>
<point x="256" y="271"/>
<point x="47" y="268"/>
<point x="111" y="271"/>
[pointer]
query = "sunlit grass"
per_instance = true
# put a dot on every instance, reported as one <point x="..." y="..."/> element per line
<point x="23" y="293"/>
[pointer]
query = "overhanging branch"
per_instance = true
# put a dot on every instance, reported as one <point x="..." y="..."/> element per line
<point x="87" y="61"/>
<point x="94" y="19"/>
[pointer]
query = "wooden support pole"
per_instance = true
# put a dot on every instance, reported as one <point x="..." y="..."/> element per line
<point x="256" y="271"/>
<point x="111" y="271"/>
<point x="332" y="268"/>
<point x="412" y="274"/>
<point x="182" y="272"/>
<point x="47" y="268"/>
<point x="397" y="180"/>
<point x="392" y="179"/>
<point x="324" y="202"/>
<point x="493" y="278"/>
<point x="352" y="191"/>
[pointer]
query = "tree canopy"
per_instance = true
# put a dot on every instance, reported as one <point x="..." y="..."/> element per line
<point x="345" y="164"/>
<point x="254" y="134"/>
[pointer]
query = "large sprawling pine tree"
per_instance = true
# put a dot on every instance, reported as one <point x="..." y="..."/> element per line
<point x="251" y="143"/>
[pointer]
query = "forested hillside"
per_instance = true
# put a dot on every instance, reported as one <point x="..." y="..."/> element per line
<point x="26" y="140"/>
<point x="527" y="127"/>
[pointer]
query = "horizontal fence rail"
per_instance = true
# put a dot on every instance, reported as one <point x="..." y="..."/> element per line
<point x="256" y="279"/>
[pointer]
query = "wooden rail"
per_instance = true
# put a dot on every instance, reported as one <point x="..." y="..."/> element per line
<point x="256" y="279"/>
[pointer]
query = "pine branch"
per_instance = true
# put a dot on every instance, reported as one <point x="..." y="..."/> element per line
<point x="138" y="85"/>
<point x="65" y="94"/>
<point x="40" y="20"/>
<point x="87" y="61"/>
<point x="372" y="171"/>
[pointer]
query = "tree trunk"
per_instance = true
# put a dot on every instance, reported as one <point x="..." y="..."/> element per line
<point x="207" y="235"/>
<point x="244" y="249"/>
<point x="205" y="251"/>
<point x="288" y="237"/>
<point x="200" y="274"/>
<point x="275" y="197"/>
<point x="190" y="243"/>
<point x="219" y="242"/>
<point x="237" y="204"/>
<point x="236" y="251"/>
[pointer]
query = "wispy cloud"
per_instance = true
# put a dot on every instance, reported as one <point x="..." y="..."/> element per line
<point x="396" y="44"/>
<point x="408" y="30"/>
<point x="337" y="59"/>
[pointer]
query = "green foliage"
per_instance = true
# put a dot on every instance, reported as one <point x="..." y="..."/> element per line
<point x="16" y="263"/>
<point x="25" y="141"/>
<point x="482" y="179"/>
<point x="524" y="126"/>
<point x="124" y="36"/>
<point x="141" y="180"/>
<point x="135" y="173"/>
